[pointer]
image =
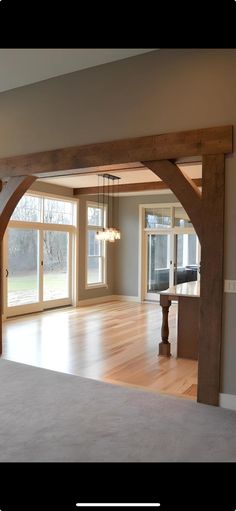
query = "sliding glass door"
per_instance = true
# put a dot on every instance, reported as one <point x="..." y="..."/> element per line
<point x="38" y="272"/>
<point x="23" y="269"/>
<point x="171" y="253"/>
<point x="56" y="266"/>
<point x="186" y="258"/>
<point x="38" y="255"/>
<point x="158" y="264"/>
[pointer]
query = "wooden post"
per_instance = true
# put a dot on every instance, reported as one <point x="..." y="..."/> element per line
<point x="213" y="191"/>
<point x="164" y="346"/>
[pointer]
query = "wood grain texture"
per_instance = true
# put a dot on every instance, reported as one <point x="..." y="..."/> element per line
<point x="114" y="342"/>
<point x="131" y="187"/>
<point x="183" y="187"/>
<point x="213" y="176"/>
<point x="155" y="147"/>
<point x="188" y="327"/>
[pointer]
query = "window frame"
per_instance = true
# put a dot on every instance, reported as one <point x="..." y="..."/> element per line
<point x="103" y="257"/>
<point x="73" y="232"/>
<point x="143" y="233"/>
<point x="43" y="196"/>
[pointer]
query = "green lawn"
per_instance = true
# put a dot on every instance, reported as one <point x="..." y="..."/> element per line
<point x="18" y="283"/>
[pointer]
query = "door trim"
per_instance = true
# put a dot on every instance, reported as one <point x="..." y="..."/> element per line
<point x="41" y="305"/>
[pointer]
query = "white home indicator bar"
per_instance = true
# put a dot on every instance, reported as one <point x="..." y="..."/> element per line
<point x="116" y="504"/>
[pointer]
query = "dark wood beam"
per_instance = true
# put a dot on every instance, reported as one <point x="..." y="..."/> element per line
<point x="155" y="147"/>
<point x="183" y="187"/>
<point x="131" y="187"/>
<point x="211" y="303"/>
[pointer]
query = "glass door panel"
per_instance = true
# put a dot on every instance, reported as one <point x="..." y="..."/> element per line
<point x="158" y="264"/>
<point x="186" y="266"/>
<point x="55" y="265"/>
<point x="23" y="267"/>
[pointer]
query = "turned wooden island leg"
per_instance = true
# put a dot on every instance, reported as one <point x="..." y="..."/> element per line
<point x="164" y="345"/>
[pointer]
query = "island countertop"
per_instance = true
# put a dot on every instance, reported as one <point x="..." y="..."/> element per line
<point x="185" y="289"/>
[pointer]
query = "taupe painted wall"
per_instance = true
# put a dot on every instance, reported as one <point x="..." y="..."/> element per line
<point x="126" y="257"/>
<point x="39" y="186"/>
<point x="163" y="91"/>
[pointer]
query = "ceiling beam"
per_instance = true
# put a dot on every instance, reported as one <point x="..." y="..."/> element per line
<point x="131" y="187"/>
<point x="70" y="160"/>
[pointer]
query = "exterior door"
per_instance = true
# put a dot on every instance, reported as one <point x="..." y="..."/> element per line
<point x="56" y="268"/>
<point x="22" y="271"/>
<point x="186" y="257"/>
<point x="38" y="270"/>
<point x="158" y="263"/>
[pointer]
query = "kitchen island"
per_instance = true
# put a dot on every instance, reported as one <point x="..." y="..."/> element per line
<point x="188" y="297"/>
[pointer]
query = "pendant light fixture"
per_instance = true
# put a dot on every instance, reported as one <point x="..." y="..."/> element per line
<point x="110" y="185"/>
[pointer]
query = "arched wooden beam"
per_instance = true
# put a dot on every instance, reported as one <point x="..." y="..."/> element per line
<point x="10" y="194"/>
<point x="182" y="186"/>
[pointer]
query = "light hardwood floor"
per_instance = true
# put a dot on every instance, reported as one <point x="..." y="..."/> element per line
<point x="115" y="341"/>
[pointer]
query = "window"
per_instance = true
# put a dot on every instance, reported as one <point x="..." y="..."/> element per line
<point x="28" y="209"/>
<point x="96" y="249"/>
<point x="181" y="218"/>
<point x="58" y="212"/>
<point x="158" y="218"/>
<point x="32" y="208"/>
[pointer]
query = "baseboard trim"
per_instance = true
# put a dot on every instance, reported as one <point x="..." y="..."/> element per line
<point x="107" y="298"/>
<point x="228" y="401"/>
<point x="94" y="301"/>
<point x="126" y="298"/>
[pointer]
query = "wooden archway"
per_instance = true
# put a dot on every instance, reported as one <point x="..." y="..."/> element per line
<point x="206" y="211"/>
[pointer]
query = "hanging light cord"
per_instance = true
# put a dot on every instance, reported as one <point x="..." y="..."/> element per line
<point x="118" y="220"/>
<point x="103" y="209"/>
<point x="112" y="216"/>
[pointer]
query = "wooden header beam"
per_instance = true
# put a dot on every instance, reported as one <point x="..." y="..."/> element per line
<point x="131" y="187"/>
<point x="199" y="142"/>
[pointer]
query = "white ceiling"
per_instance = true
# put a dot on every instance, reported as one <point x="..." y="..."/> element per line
<point x="20" y="67"/>
<point x="141" y="175"/>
